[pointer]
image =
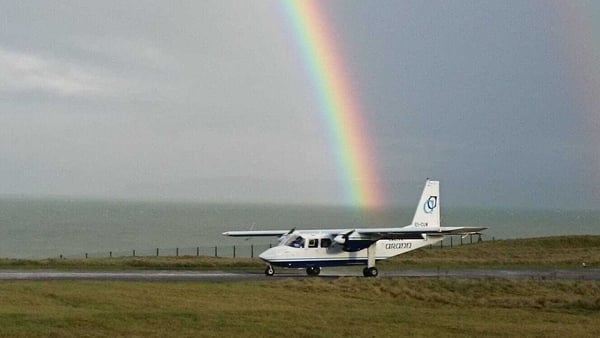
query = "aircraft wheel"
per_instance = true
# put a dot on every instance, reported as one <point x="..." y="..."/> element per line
<point x="269" y="271"/>
<point x="313" y="270"/>
<point x="370" y="272"/>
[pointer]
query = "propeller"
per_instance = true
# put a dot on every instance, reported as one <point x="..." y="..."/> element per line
<point x="283" y="237"/>
<point x="343" y="238"/>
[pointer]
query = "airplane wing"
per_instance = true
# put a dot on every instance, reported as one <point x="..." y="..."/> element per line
<point x="256" y="233"/>
<point x="358" y="239"/>
<point x="375" y="233"/>
<point x="410" y="231"/>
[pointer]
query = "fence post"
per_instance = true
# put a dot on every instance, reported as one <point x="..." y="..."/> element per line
<point x="176" y="252"/>
<point x="86" y="255"/>
<point x="197" y="251"/>
<point x="471" y="238"/>
<point x="216" y="255"/>
<point x="251" y="250"/>
<point x="133" y="252"/>
<point x="234" y="251"/>
<point x="156" y="252"/>
<point x="110" y="254"/>
<point x="442" y="243"/>
<point x="450" y="241"/>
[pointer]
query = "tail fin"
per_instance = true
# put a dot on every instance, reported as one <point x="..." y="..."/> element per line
<point x="428" y="209"/>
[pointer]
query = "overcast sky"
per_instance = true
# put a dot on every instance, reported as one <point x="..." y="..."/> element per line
<point x="208" y="101"/>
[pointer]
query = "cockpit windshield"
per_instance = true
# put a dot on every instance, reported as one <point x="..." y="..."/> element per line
<point x="295" y="241"/>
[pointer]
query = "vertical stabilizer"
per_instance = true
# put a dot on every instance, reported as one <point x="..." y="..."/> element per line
<point x="428" y="209"/>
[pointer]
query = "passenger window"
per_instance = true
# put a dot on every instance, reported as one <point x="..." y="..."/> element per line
<point x="325" y="242"/>
<point x="313" y="243"/>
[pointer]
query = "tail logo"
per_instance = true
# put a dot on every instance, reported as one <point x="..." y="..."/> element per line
<point x="430" y="204"/>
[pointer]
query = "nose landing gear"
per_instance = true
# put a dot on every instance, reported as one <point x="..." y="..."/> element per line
<point x="269" y="271"/>
<point x="313" y="270"/>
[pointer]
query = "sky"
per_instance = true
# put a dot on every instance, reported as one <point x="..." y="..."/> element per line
<point x="211" y="101"/>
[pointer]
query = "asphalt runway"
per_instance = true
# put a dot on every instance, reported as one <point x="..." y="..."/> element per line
<point x="173" y="275"/>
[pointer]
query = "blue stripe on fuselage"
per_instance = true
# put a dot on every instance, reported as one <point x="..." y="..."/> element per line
<point x="303" y="263"/>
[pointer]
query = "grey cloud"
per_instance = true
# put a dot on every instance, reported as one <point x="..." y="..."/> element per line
<point x="24" y="72"/>
<point x="210" y="100"/>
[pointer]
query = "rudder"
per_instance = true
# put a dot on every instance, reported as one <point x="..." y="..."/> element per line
<point x="428" y="209"/>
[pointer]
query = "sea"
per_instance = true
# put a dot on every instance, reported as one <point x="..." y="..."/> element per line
<point x="49" y="228"/>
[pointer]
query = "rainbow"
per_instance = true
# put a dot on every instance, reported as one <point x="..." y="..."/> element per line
<point x="341" y="112"/>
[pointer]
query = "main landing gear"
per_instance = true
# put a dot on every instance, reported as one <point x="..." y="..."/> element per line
<point x="370" y="272"/>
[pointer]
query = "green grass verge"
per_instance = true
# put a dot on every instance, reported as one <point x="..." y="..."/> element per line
<point x="565" y="251"/>
<point x="121" y="263"/>
<point x="560" y="251"/>
<point x="308" y="307"/>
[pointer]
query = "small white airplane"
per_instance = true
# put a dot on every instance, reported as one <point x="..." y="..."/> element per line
<point x="313" y="249"/>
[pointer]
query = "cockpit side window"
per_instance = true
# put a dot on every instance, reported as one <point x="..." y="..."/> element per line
<point x="313" y="243"/>
<point x="295" y="242"/>
<point x="325" y="242"/>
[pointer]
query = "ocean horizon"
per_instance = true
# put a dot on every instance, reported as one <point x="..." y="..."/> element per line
<point x="51" y="227"/>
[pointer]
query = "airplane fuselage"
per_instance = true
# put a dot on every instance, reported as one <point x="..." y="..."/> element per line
<point x="321" y="251"/>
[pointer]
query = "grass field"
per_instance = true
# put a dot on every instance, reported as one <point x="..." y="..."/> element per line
<point x="560" y="251"/>
<point x="317" y="307"/>
<point x="302" y="307"/>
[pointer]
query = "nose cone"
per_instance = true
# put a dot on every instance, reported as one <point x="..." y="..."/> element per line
<point x="272" y="254"/>
<point x="266" y="255"/>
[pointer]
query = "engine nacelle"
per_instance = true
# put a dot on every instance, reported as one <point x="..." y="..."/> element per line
<point x="340" y="239"/>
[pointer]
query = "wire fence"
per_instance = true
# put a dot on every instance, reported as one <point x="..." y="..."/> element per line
<point x="242" y="251"/>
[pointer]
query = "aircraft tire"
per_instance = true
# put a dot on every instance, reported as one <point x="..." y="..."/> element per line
<point x="269" y="271"/>
<point x="313" y="270"/>
<point x="370" y="272"/>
